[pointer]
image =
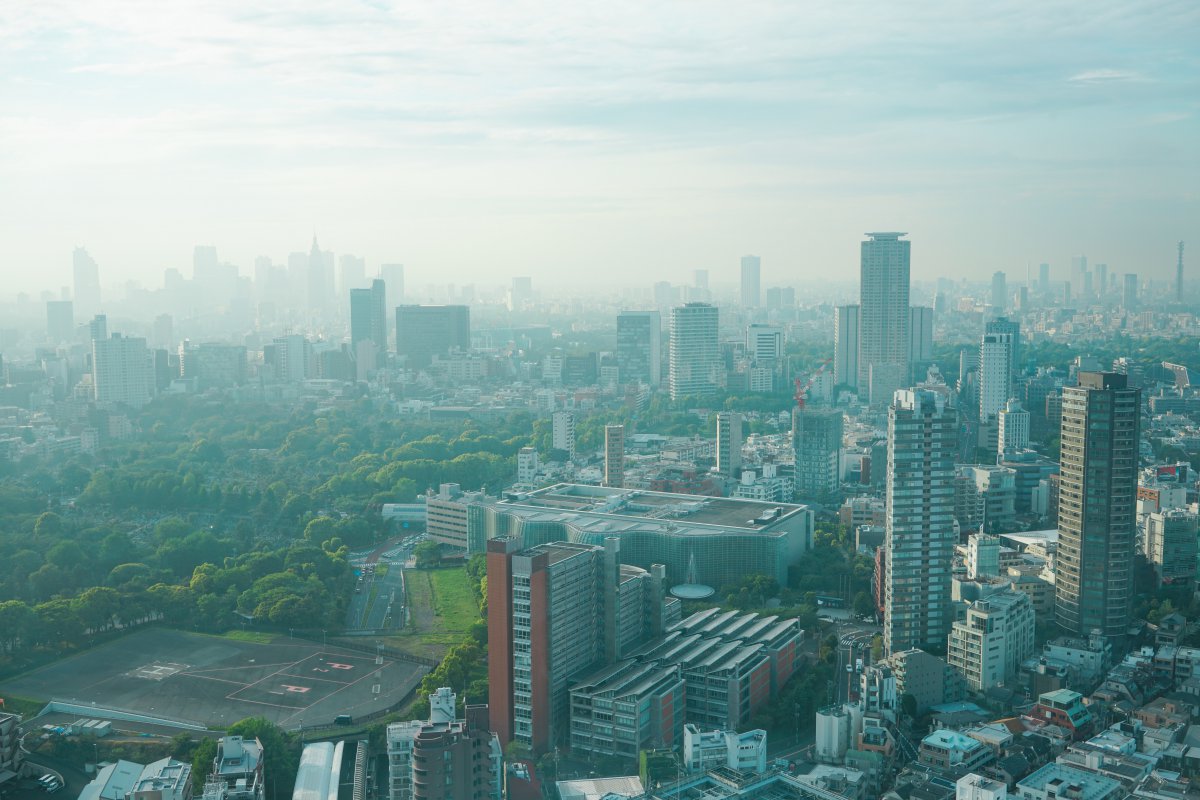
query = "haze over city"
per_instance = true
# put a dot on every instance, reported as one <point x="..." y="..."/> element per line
<point x="568" y="141"/>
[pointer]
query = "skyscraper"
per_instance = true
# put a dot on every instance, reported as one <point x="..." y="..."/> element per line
<point x="1013" y="329"/>
<point x="883" y="306"/>
<point x="425" y="331"/>
<point x="995" y="376"/>
<point x="817" y="445"/>
<point x="1179" y="276"/>
<point x="368" y="316"/>
<point x="751" y="281"/>
<point x="999" y="291"/>
<point x="695" y="358"/>
<point x="614" y="456"/>
<point x="1097" y="501"/>
<point x="60" y="321"/>
<point x="122" y="371"/>
<point x="87" y="282"/>
<point x="919" y="522"/>
<point x="920" y="340"/>
<point x="1129" y="292"/>
<point x="639" y="347"/>
<point x="320" y="278"/>
<point x="352" y="272"/>
<point x="845" y="346"/>
<point x="729" y="442"/>
<point x="1044" y="278"/>
<point x="393" y="278"/>
<point x="98" y="328"/>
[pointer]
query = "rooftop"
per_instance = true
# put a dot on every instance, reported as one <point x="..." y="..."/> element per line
<point x="612" y="505"/>
<point x="951" y="740"/>
<point x="1090" y="785"/>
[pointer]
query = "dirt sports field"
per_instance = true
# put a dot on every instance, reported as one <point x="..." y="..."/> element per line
<point x="216" y="681"/>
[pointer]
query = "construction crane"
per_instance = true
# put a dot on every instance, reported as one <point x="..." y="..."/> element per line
<point x="802" y="385"/>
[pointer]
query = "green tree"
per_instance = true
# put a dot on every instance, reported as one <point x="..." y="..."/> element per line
<point x="281" y="753"/>
<point x="427" y="555"/>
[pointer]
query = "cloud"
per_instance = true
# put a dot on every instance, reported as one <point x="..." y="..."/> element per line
<point x="1106" y="76"/>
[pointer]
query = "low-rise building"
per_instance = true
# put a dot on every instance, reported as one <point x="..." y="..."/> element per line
<point x="1060" y="782"/>
<point x="949" y="751"/>
<point x="237" y="770"/>
<point x="706" y="750"/>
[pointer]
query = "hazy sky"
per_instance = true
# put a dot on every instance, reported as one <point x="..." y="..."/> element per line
<point x="614" y="141"/>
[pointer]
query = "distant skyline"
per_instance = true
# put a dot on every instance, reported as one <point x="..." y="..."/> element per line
<point x="477" y="141"/>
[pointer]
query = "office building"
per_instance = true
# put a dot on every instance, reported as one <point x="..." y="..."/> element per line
<point x="1129" y="292"/>
<point x="1013" y="329"/>
<point x="86" y="273"/>
<point x="999" y="296"/>
<point x="764" y="343"/>
<point x="98" y="328"/>
<point x="985" y="497"/>
<point x="639" y="347"/>
<point x="995" y="375"/>
<point x="423" y="332"/>
<point x="212" y="365"/>
<point x="983" y="557"/>
<point x="520" y="293"/>
<point x="919" y="526"/>
<point x="1012" y="434"/>
<point x="883" y="381"/>
<point x="60" y="321"/>
<point x="626" y="707"/>
<point x="122" y="371"/>
<point x="368" y="316"/>
<point x="751" y="281"/>
<point x="1097" y="505"/>
<point x="614" y="456"/>
<point x="817" y="446"/>
<point x="729" y="443"/>
<point x="352" y="273"/>
<point x="700" y="279"/>
<point x="445" y="757"/>
<point x="883" y="305"/>
<point x="845" y="346"/>
<point x="291" y="358"/>
<point x="393" y="278"/>
<point x="988" y="647"/>
<point x="920" y="340"/>
<point x="710" y="540"/>
<point x="1171" y="547"/>
<point x="554" y="611"/>
<point x="1044" y="278"/>
<point x="562" y="432"/>
<point x="695" y="357"/>
<point x="237" y="770"/>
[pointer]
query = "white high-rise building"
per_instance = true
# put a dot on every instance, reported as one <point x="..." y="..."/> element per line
<point x="751" y="281"/>
<point x="883" y="305"/>
<point x="122" y="371"/>
<point x="995" y="377"/>
<point x="845" y="346"/>
<point x="293" y="357"/>
<point x="562" y="432"/>
<point x="1014" y="427"/>
<point x="919" y="523"/>
<point x="729" y="442"/>
<point x="695" y="359"/>
<point x="987" y="648"/>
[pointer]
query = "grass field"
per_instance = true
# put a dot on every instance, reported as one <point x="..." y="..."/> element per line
<point x="441" y="609"/>
<point x="257" y="637"/>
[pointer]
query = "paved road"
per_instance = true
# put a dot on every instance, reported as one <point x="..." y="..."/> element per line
<point x="386" y="610"/>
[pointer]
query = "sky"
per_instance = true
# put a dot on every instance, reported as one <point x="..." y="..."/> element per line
<point x="598" y="143"/>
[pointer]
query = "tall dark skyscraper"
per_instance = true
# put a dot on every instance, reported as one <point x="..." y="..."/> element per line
<point x="1179" y="276"/>
<point x="368" y="315"/>
<point x="425" y="331"/>
<point x="883" y="309"/>
<point x="1097" y="500"/>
